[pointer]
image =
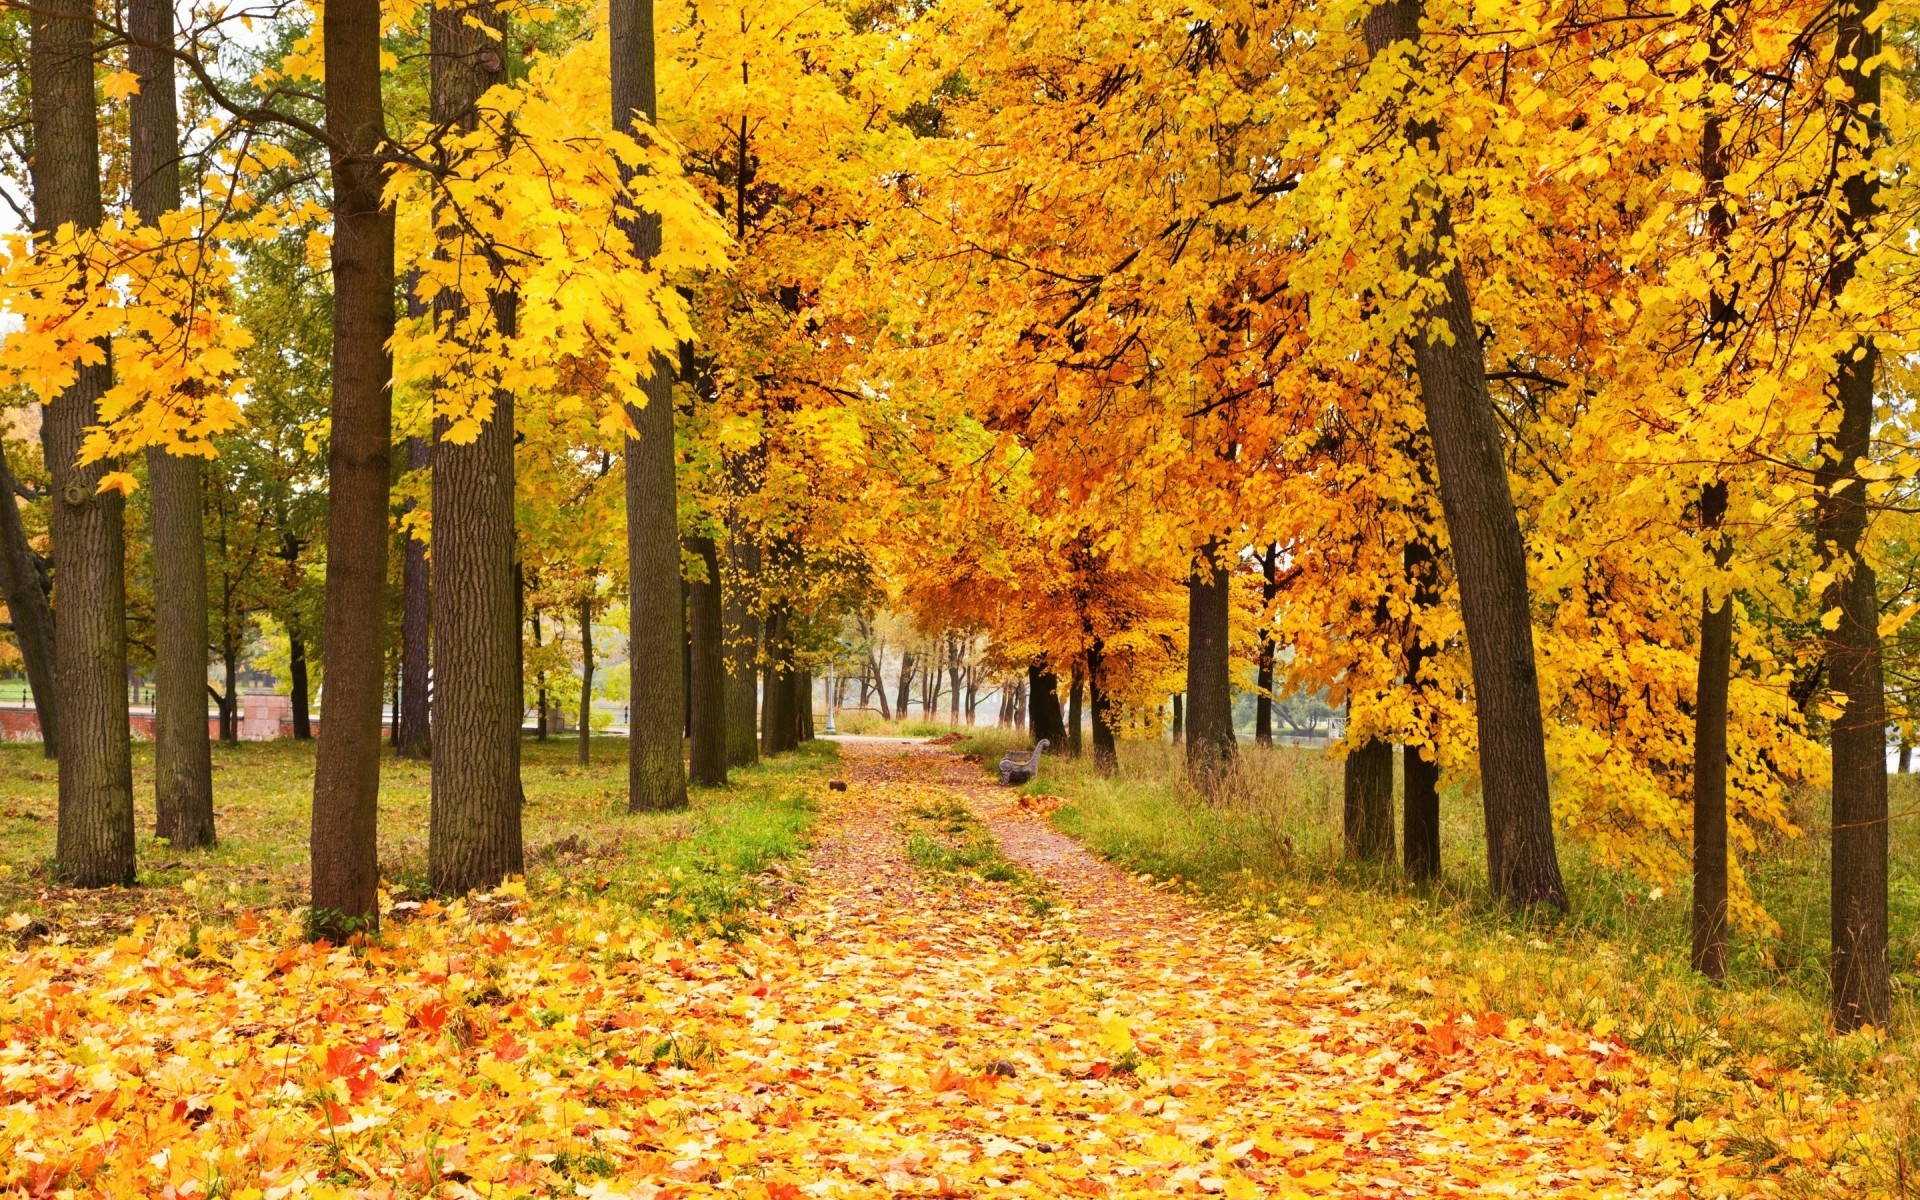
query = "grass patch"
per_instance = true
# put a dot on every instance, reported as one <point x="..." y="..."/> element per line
<point x="695" y="868"/>
<point x="860" y="723"/>
<point x="1270" y="849"/>
<point x="946" y="839"/>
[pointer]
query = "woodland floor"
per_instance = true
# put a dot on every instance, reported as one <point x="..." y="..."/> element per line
<point x="949" y="998"/>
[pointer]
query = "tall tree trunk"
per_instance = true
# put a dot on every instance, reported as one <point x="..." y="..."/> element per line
<point x="777" y="721"/>
<point x="586" y="676"/>
<point x="707" y="755"/>
<point x="1710" y="758"/>
<point x="182" y="756"/>
<point x="906" y="683"/>
<point x="297" y="667"/>
<point x="1906" y="754"/>
<point x="1367" y="801"/>
<point x="346" y="780"/>
<point x="1419" y="774"/>
<point x="230" y="676"/>
<point x="1209" y="716"/>
<point x="656" y="772"/>
<point x="474" y="827"/>
<point x="803" y="705"/>
<point x="879" y="691"/>
<point x="94" y="842"/>
<point x="416" y="625"/>
<point x="1263" y="679"/>
<point x="1862" y="991"/>
<point x="1179" y="705"/>
<point x="1075" y="718"/>
<point x="740" y="624"/>
<point x="23" y="588"/>
<point x="1043" y="703"/>
<point x="1522" y="864"/>
<point x="540" y="687"/>
<point x="1020" y="705"/>
<point x="1106" y="751"/>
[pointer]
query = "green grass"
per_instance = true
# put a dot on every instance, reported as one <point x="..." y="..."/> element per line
<point x="860" y="723"/>
<point x="948" y="841"/>
<point x="694" y="868"/>
<point x="1269" y="849"/>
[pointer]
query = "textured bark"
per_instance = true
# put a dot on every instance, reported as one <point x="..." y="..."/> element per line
<point x="656" y="772"/>
<point x="1419" y="775"/>
<point x="22" y="586"/>
<point x="1862" y="991"/>
<point x="346" y="781"/>
<point x="586" y="678"/>
<point x="1209" y="716"/>
<point x="1710" y="762"/>
<point x="182" y="754"/>
<point x="415" y="734"/>
<point x="803" y="705"/>
<point x="1179" y="704"/>
<point x="540" y="687"/>
<point x="1074" y="715"/>
<point x="707" y="752"/>
<point x="1263" y="678"/>
<point x="1106" y="753"/>
<point x="906" y="684"/>
<point x="297" y="667"/>
<point x="1043" y="691"/>
<point x="474" y="826"/>
<point x="94" y="842"/>
<point x="1522" y="864"/>
<point x="1367" y="802"/>
<point x="777" y="716"/>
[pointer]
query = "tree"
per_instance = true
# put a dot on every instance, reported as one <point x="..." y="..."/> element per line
<point x="415" y="722"/>
<point x="183" y="759"/>
<point x="1522" y="865"/>
<point x="24" y="586"/>
<point x="707" y="757"/>
<point x="656" y="772"/>
<point x="475" y="834"/>
<point x="1210" y="742"/>
<point x="94" y="847"/>
<point x="346" y="782"/>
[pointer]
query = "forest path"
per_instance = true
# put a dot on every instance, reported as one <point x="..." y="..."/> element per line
<point x="1128" y="1043"/>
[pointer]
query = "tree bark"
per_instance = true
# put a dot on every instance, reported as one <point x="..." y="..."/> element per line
<point x="474" y="826"/>
<point x="1419" y="775"/>
<point x="1367" y="801"/>
<point x="95" y="836"/>
<point x="803" y="706"/>
<point x="1522" y="864"/>
<point x="346" y="782"/>
<point x="182" y="755"/>
<point x="1263" y="678"/>
<point x="1179" y="705"/>
<point x="1043" y="705"/>
<point x="777" y="718"/>
<point x="586" y="676"/>
<point x="297" y="667"/>
<point x="1710" y="758"/>
<point x="906" y="683"/>
<point x="1106" y="751"/>
<point x="656" y="773"/>
<point x="540" y="687"/>
<point x="1209" y="715"/>
<point x="707" y="756"/>
<point x="416" y="624"/>
<point x="1074" y="714"/>
<point x="1862" y="989"/>
<point x="23" y="587"/>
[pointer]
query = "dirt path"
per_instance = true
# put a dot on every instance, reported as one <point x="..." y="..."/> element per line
<point x="1128" y="1044"/>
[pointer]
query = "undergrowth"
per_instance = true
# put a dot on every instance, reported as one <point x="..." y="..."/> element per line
<point x="946" y="839"/>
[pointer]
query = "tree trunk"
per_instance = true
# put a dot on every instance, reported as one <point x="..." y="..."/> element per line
<point x="708" y="696"/>
<point x="906" y="684"/>
<point x="1862" y="992"/>
<point x="297" y="667"/>
<point x="656" y="772"/>
<point x="777" y="721"/>
<point x="1074" y="715"/>
<point x="1209" y="716"/>
<point x="741" y="625"/>
<point x="1906" y="754"/>
<point x="1710" y="758"/>
<point x="1179" y="719"/>
<point x="540" y="687"/>
<point x="1367" y="801"/>
<point x="1419" y="775"/>
<point x="1522" y="864"/>
<point x="1043" y="703"/>
<point x="230" y="673"/>
<point x="182" y="756"/>
<point x="803" y="706"/>
<point x="23" y="588"/>
<point x="1106" y="751"/>
<point x="586" y="676"/>
<point x="1263" y="678"/>
<point x="416" y="623"/>
<point x="474" y="826"/>
<point x="879" y="691"/>
<point x="346" y="781"/>
<point x="1020" y="705"/>
<point x="94" y="842"/>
